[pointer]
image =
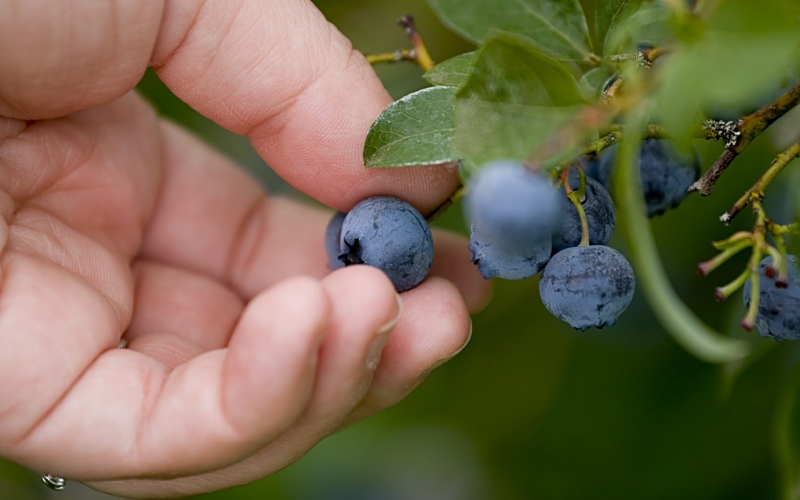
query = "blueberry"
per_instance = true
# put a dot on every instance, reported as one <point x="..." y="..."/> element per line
<point x="587" y="286"/>
<point x="778" y="308"/>
<point x="496" y="261"/>
<point x="666" y="173"/>
<point x="512" y="206"/>
<point x="332" y="237"/>
<point x="599" y="209"/>
<point x="389" y="234"/>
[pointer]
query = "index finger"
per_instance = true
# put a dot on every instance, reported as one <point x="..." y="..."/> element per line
<point x="285" y="77"/>
<point x="273" y="70"/>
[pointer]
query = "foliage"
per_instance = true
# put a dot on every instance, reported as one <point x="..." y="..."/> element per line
<point x="534" y="90"/>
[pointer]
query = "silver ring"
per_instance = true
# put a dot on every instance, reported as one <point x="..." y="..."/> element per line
<point x="53" y="482"/>
<point x="56" y="483"/>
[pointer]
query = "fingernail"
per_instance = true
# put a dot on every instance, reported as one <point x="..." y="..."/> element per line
<point x="381" y="337"/>
<point x="448" y="358"/>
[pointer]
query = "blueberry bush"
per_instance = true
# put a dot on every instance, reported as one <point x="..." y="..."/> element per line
<point x="565" y="127"/>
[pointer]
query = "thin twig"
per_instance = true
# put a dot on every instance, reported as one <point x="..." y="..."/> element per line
<point x="750" y="127"/>
<point x="423" y="58"/>
<point x="419" y="54"/>
<point x="763" y="182"/>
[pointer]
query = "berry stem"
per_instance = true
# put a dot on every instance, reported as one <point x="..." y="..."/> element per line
<point x="708" y="266"/>
<point x="735" y="239"/>
<point x="581" y="191"/>
<point x="419" y="54"/>
<point x="423" y="58"/>
<point x="723" y="292"/>
<point x="390" y="57"/>
<point x="759" y="188"/>
<point x="573" y="197"/>
<point x="783" y="269"/>
<point x="759" y="245"/>
<point x="577" y="198"/>
<point x="781" y="230"/>
<point x="750" y="320"/>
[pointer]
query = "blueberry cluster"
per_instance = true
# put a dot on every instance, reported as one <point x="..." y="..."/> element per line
<point x="665" y="172"/>
<point x="521" y="225"/>
<point x="383" y="232"/>
<point x="779" y="302"/>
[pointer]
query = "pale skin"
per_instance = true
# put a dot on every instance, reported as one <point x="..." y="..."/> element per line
<point x="243" y="350"/>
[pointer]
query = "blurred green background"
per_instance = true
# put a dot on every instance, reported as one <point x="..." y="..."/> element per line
<point x="532" y="409"/>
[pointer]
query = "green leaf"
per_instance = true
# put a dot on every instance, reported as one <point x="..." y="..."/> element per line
<point x="686" y="328"/>
<point x="647" y="25"/>
<point x="612" y="12"/>
<point x="557" y="26"/>
<point x="592" y="83"/>
<point x="490" y="130"/>
<point x="452" y="72"/>
<point x="415" y="130"/>
<point x="510" y="69"/>
<point x="515" y="98"/>
<point x="748" y="47"/>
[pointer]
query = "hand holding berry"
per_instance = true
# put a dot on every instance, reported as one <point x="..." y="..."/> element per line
<point x="117" y="224"/>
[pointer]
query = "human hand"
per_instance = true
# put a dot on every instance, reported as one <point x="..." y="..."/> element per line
<point x="243" y="351"/>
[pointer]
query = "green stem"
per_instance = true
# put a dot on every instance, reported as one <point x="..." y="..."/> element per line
<point x="573" y="197"/>
<point x="677" y="318"/>
<point x="577" y="198"/>
<point x="581" y="191"/>
<point x="783" y="270"/>
<point x="733" y="240"/>
<point x="390" y="57"/>
<point x="778" y="229"/>
<point x="708" y="266"/>
<point x="761" y="185"/>
<point x="723" y="292"/>
<point x="759" y="245"/>
<point x="421" y="55"/>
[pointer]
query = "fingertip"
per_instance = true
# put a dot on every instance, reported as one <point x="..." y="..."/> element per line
<point x="367" y="287"/>
<point x="452" y="329"/>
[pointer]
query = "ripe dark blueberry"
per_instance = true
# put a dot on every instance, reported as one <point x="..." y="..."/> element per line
<point x="778" y="308"/>
<point x="512" y="206"/>
<point x="666" y="173"/>
<point x="333" y="235"/>
<point x="496" y="261"/>
<point x="599" y="209"/>
<point x="587" y="286"/>
<point x="389" y="234"/>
